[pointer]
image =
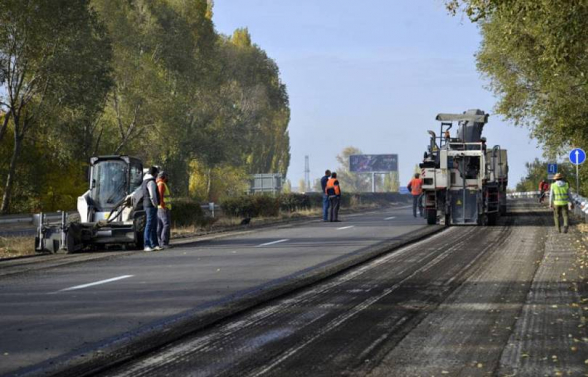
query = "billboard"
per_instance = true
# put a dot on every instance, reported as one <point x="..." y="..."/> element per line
<point x="368" y="163"/>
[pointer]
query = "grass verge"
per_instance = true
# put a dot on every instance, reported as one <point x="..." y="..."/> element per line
<point x="11" y="247"/>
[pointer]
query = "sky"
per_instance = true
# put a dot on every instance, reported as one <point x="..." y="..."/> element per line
<point x="372" y="74"/>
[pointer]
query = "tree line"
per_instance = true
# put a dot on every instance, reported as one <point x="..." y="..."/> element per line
<point x="535" y="55"/>
<point x="148" y="78"/>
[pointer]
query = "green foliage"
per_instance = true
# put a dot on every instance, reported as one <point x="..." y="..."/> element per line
<point x="54" y="76"/>
<point x="534" y="53"/>
<point x="268" y="206"/>
<point x="152" y="79"/>
<point x="293" y="202"/>
<point x="251" y="206"/>
<point x="187" y="212"/>
<point x="537" y="170"/>
<point x="351" y="182"/>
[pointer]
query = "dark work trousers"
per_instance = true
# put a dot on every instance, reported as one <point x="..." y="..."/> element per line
<point x="150" y="234"/>
<point x="334" y="202"/>
<point x="416" y="202"/>
<point x="163" y="226"/>
<point x="563" y="210"/>
<point x="325" y="207"/>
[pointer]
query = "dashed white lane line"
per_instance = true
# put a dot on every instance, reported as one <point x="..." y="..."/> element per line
<point x="273" y="242"/>
<point x="390" y="218"/>
<point x="346" y="227"/>
<point x="95" y="283"/>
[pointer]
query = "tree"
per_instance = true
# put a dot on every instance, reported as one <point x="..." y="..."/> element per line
<point x="537" y="171"/>
<point x="534" y="53"/>
<point x="53" y="55"/>
<point x="351" y="182"/>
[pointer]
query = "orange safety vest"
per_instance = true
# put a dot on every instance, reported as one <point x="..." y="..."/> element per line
<point x="416" y="186"/>
<point x="332" y="188"/>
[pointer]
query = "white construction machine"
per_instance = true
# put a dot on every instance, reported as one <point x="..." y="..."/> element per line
<point x="110" y="212"/>
<point x="464" y="182"/>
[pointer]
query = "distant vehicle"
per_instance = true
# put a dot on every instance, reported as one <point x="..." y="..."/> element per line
<point x="463" y="182"/>
<point x="111" y="211"/>
<point x="403" y="190"/>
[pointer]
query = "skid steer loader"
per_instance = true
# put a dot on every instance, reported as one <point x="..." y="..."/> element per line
<point x="110" y="212"/>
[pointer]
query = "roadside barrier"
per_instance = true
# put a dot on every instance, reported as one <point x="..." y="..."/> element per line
<point x="519" y="195"/>
<point x="580" y="202"/>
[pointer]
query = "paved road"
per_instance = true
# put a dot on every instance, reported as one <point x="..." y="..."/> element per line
<point x="470" y="301"/>
<point x="50" y="312"/>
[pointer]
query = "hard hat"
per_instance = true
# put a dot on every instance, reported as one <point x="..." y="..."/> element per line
<point x="558" y="176"/>
<point x="162" y="174"/>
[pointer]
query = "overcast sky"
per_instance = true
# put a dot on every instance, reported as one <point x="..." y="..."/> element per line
<point x="373" y="75"/>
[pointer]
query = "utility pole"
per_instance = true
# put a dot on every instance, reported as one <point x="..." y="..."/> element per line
<point x="307" y="172"/>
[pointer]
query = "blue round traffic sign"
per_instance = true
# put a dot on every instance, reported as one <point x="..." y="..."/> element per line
<point x="577" y="156"/>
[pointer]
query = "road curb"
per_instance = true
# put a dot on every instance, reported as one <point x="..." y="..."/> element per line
<point x="119" y="349"/>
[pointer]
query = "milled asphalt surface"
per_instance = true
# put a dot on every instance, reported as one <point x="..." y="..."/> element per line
<point x="46" y="314"/>
<point x="506" y="300"/>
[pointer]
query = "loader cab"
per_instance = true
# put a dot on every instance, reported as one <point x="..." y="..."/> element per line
<point x="112" y="178"/>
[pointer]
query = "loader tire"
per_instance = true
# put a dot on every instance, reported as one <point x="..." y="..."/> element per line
<point x="492" y="218"/>
<point x="503" y="210"/>
<point x="140" y="241"/>
<point x="431" y="216"/>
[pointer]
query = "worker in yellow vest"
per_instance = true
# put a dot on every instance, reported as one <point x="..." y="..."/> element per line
<point x="163" y="210"/>
<point x="560" y="200"/>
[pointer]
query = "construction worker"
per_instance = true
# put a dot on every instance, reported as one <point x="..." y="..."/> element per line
<point x="560" y="200"/>
<point x="543" y="188"/>
<point x="163" y="210"/>
<point x="324" y="181"/>
<point x="333" y="191"/>
<point x="415" y="186"/>
<point x="150" y="204"/>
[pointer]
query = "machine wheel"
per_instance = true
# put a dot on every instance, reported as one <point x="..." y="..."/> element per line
<point x="503" y="209"/>
<point x="431" y="216"/>
<point x="492" y="218"/>
<point x="140" y="244"/>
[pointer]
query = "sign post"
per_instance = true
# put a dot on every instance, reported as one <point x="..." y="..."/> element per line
<point x="577" y="157"/>
<point x="551" y="170"/>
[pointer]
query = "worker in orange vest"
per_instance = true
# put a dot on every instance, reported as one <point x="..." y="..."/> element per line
<point x="415" y="186"/>
<point x="333" y="191"/>
<point x="163" y="211"/>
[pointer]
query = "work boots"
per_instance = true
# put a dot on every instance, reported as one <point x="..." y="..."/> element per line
<point x="565" y="229"/>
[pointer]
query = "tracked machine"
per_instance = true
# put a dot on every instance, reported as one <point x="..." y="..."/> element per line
<point x="109" y="213"/>
<point x="464" y="182"/>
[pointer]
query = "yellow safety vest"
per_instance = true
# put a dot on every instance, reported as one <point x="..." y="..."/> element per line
<point x="560" y="194"/>
<point x="166" y="196"/>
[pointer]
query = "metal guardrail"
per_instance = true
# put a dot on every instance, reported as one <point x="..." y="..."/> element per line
<point x="580" y="206"/>
<point x="518" y="195"/>
<point x="580" y="202"/>
<point x="52" y="217"/>
<point x="28" y="219"/>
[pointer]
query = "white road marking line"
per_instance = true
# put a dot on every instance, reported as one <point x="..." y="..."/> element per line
<point x="273" y="242"/>
<point x="346" y="227"/>
<point x="96" y="283"/>
<point x="390" y="218"/>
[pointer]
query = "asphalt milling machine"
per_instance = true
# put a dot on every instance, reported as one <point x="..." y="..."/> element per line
<point x="110" y="212"/>
<point x="464" y="182"/>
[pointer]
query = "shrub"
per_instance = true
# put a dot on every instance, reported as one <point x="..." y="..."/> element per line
<point x="269" y="206"/>
<point x="186" y="212"/>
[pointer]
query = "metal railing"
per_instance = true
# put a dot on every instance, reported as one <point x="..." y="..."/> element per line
<point x="28" y="219"/>
<point x="526" y="195"/>
<point x="54" y="217"/>
<point x="580" y="202"/>
<point x="580" y="206"/>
